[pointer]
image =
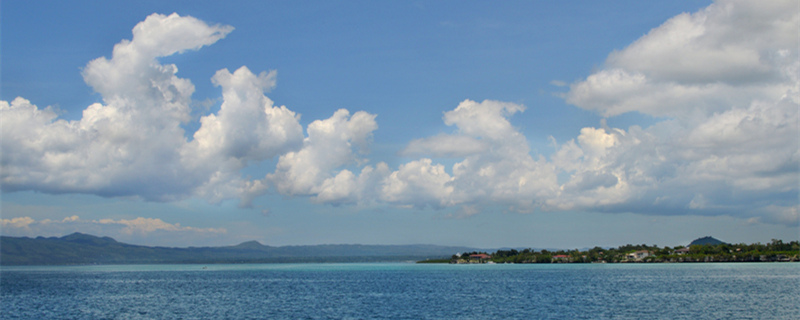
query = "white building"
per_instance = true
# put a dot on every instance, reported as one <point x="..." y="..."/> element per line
<point x="639" y="255"/>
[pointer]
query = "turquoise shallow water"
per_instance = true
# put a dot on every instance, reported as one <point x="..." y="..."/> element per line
<point x="403" y="291"/>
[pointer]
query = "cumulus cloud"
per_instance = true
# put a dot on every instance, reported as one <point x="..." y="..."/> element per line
<point x="736" y="42"/>
<point x="722" y="57"/>
<point x="133" y="143"/>
<point x="270" y="130"/>
<point x="499" y="168"/>
<point x="419" y="184"/>
<point x="480" y="127"/>
<point x="247" y="129"/>
<point x="315" y="168"/>
<point x="724" y="80"/>
<point x="128" y="145"/>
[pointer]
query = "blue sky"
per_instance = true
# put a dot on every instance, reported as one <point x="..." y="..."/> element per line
<point x="530" y="124"/>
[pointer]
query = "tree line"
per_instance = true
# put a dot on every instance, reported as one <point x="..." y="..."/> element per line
<point x="776" y="250"/>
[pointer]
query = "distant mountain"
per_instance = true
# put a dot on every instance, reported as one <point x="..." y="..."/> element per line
<point x="79" y="248"/>
<point x="706" y="241"/>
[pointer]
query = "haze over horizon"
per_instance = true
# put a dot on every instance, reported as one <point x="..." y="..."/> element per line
<point x="514" y="124"/>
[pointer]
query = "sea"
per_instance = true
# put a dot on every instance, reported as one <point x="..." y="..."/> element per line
<point x="403" y="291"/>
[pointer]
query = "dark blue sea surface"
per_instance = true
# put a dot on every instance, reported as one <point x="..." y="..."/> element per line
<point x="403" y="291"/>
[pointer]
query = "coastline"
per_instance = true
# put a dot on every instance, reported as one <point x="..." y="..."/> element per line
<point x="702" y="250"/>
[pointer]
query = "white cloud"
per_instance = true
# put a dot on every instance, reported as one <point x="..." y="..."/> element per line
<point x="487" y="119"/>
<point x="736" y="162"/>
<point x="728" y="144"/>
<point x="133" y="73"/>
<point x="481" y="127"/>
<point x="133" y="143"/>
<point x="330" y="145"/>
<point x="247" y="129"/>
<point x="271" y="130"/>
<point x="722" y="57"/>
<point x="727" y="76"/>
<point x="724" y="81"/>
<point x="504" y="172"/>
<point x="19" y="223"/>
<point x="419" y="184"/>
<point x="739" y="42"/>
<point x="130" y="144"/>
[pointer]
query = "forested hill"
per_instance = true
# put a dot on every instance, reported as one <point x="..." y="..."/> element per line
<point x="78" y="248"/>
<point x="706" y="241"/>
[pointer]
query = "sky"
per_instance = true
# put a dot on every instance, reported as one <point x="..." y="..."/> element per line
<point x="515" y="124"/>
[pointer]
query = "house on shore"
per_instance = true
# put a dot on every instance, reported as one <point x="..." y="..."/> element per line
<point x="638" y="255"/>
<point x="480" y="257"/>
<point x="682" y="251"/>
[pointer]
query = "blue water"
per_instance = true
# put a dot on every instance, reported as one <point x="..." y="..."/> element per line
<point x="403" y="291"/>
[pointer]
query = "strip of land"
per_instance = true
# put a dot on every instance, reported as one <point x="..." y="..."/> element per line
<point x="705" y="249"/>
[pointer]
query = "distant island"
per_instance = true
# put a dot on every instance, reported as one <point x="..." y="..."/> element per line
<point x="79" y="248"/>
<point x="706" y="249"/>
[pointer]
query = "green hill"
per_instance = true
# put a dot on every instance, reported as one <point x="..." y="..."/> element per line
<point x="706" y="241"/>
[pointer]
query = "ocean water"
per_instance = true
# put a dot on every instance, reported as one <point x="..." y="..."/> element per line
<point x="403" y="291"/>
